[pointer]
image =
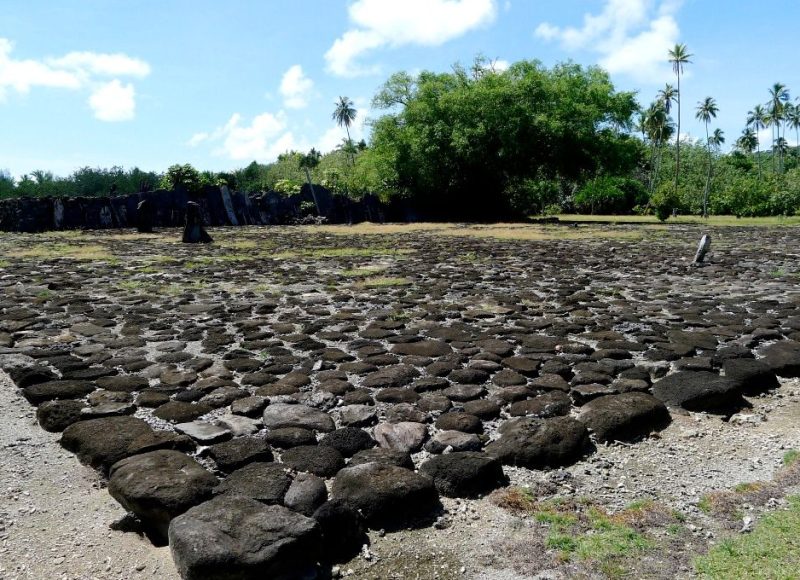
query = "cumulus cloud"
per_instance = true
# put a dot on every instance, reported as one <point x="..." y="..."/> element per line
<point x="379" y="24"/>
<point x="110" y="101"/>
<point x="632" y="37"/>
<point x="296" y="88"/>
<point x="263" y="138"/>
<point x="113" y="102"/>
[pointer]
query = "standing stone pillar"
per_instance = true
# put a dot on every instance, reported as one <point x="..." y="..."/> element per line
<point x="702" y="249"/>
<point x="144" y="217"/>
<point x="193" y="231"/>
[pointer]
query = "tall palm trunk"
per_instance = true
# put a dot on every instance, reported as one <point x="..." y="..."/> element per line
<point x="313" y="193"/>
<point x="678" y="139"/>
<point x="708" y="175"/>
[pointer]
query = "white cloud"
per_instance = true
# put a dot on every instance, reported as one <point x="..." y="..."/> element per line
<point x="379" y="24"/>
<point x="263" y="139"/>
<point x="296" y="88"/>
<point x="113" y="101"/>
<point x="110" y="101"/>
<point x="101" y="64"/>
<point x="632" y="37"/>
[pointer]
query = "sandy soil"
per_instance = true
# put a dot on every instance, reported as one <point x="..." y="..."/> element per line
<point x="55" y="514"/>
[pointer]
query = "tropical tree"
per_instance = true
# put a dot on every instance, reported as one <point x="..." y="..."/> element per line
<point x="756" y="120"/>
<point x="658" y="127"/>
<point x="344" y="114"/>
<point x="678" y="56"/>
<point x="747" y="142"/>
<point x="706" y="110"/>
<point x="778" y="97"/>
<point x="793" y="122"/>
<point x="667" y="96"/>
<point x="308" y="162"/>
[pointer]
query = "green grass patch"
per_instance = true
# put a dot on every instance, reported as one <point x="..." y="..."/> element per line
<point x="717" y="220"/>
<point x="363" y="272"/>
<point x="771" y="550"/>
<point x="790" y="457"/>
<point x="4" y="263"/>
<point x="383" y="282"/>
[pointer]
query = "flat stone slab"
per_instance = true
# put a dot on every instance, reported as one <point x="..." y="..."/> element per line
<point x="204" y="433"/>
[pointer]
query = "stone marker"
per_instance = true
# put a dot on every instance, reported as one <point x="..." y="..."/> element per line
<point x="144" y="217"/>
<point x="193" y="231"/>
<point x="702" y="249"/>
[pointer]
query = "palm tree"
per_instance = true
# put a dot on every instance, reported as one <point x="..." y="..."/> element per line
<point x="658" y="128"/>
<point x="747" y="142"/>
<point x="793" y="122"/>
<point x="707" y="110"/>
<point x="778" y="96"/>
<point x="308" y="162"/>
<point x="667" y="96"/>
<point x="678" y="56"/>
<point x="344" y="114"/>
<point x="756" y="119"/>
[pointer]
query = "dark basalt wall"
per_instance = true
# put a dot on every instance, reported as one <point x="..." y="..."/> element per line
<point x="220" y="207"/>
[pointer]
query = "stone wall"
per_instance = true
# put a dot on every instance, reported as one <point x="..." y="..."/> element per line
<point x="220" y="207"/>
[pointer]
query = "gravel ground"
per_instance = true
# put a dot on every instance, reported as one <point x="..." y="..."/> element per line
<point x="55" y="515"/>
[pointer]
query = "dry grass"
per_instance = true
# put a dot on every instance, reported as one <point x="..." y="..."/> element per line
<point x="500" y="231"/>
<point x="53" y="251"/>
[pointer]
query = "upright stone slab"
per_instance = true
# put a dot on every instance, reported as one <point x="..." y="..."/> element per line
<point x="193" y="231"/>
<point x="144" y="217"/>
<point x="702" y="249"/>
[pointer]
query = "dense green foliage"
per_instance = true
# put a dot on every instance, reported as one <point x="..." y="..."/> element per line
<point x="481" y="143"/>
<point x="485" y="142"/>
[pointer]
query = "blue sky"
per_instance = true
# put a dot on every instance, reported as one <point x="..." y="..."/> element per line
<point x="219" y="84"/>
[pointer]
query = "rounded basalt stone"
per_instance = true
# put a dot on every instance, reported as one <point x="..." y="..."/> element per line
<point x="464" y="473"/>
<point x="151" y="398"/>
<point x="55" y="416"/>
<point x="427" y="384"/>
<point x="238" y="537"/>
<point x="251" y="406"/>
<point x="389" y="497"/>
<point x="469" y="376"/>
<point x="404" y="412"/>
<point x="123" y="383"/>
<point x="344" y="531"/>
<point x="508" y="378"/>
<point x="265" y="482"/>
<point x="382" y="455"/>
<point x="699" y="391"/>
<point x="102" y="442"/>
<point x="348" y="440"/>
<point x="454" y="440"/>
<point x="41" y="392"/>
<point x="235" y="453"/>
<point x="320" y="460"/>
<point x="405" y="436"/>
<point x="464" y="392"/>
<point x="181" y="412"/>
<point x="286" y="437"/>
<point x="284" y="415"/>
<point x="755" y="376"/>
<point x="306" y="494"/>
<point x="537" y="443"/>
<point x="158" y="486"/>
<point x="397" y="395"/>
<point x="624" y="417"/>
<point x="457" y="421"/>
<point x="434" y="403"/>
<point x="358" y="397"/>
<point x="483" y="409"/>
<point x="224" y="396"/>
<point x="426" y="348"/>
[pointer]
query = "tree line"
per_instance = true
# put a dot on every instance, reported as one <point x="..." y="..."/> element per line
<point x="482" y="143"/>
